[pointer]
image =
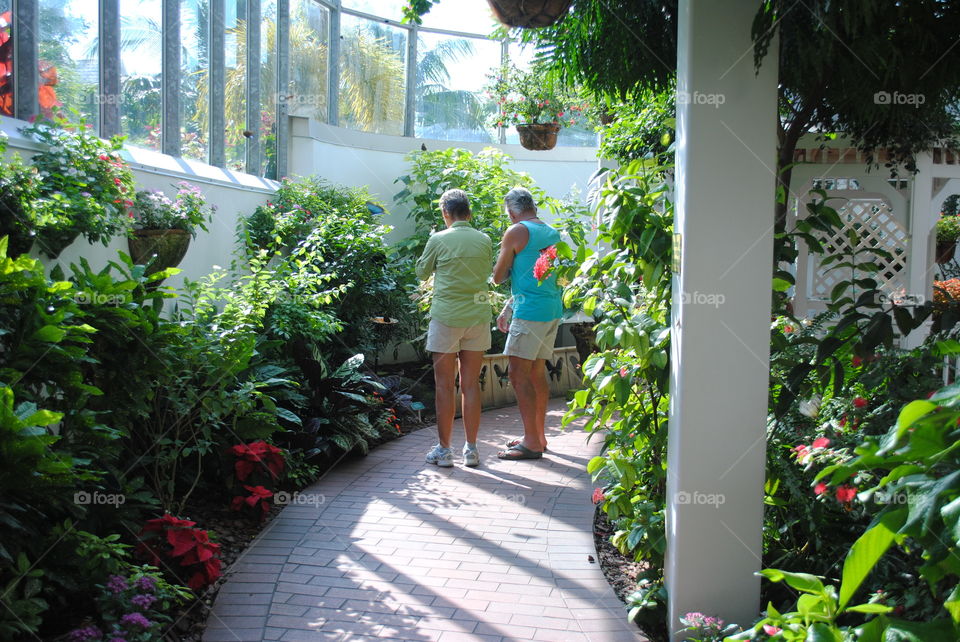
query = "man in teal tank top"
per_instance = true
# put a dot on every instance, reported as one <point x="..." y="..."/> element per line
<point x="531" y="318"/>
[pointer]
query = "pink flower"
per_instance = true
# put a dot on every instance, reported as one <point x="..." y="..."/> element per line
<point x="818" y="490"/>
<point x="803" y="452"/>
<point x="788" y="328"/>
<point x="770" y="629"/>
<point x="845" y="494"/>
<point x="860" y="402"/>
<point x="624" y="372"/>
<point x="821" y="442"/>
<point x="598" y="495"/>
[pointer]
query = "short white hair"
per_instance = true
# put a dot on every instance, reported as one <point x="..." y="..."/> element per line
<point x="519" y="200"/>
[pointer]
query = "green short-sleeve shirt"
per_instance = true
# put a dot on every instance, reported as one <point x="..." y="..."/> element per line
<point x="461" y="258"/>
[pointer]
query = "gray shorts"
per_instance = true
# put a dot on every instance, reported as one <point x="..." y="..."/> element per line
<point x="531" y="339"/>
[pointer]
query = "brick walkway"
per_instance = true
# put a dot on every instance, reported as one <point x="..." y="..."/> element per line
<point x="401" y="549"/>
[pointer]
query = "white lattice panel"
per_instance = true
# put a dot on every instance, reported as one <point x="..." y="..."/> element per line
<point x="876" y="227"/>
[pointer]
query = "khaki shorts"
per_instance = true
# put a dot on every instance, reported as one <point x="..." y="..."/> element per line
<point x="444" y="338"/>
<point x="531" y="339"/>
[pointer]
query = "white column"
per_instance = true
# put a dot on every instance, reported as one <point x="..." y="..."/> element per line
<point x="920" y="262"/>
<point x="721" y="313"/>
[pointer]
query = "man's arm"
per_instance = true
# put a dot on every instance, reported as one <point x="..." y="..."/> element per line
<point x="427" y="261"/>
<point x="514" y="240"/>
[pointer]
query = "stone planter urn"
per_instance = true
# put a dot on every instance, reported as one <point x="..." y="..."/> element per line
<point x="946" y="251"/>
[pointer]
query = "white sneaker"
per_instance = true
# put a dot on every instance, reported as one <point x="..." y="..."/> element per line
<point x="440" y="456"/>
<point x="471" y="457"/>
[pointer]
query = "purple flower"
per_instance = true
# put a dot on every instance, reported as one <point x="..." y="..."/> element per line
<point x="85" y="634"/>
<point x="143" y="601"/>
<point x="117" y="583"/>
<point x="146" y="583"/>
<point x="137" y="620"/>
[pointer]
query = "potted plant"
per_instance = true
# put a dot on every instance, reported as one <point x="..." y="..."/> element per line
<point x="948" y="231"/>
<point x="162" y="228"/>
<point x="536" y="105"/>
<point x="512" y="13"/>
<point x="77" y="185"/>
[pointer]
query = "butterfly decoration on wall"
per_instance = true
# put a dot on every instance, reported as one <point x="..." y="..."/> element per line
<point x="503" y="375"/>
<point x="555" y="370"/>
<point x="483" y="377"/>
<point x="575" y="363"/>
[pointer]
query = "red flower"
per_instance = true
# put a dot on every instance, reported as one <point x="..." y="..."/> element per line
<point x="860" y="402"/>
<point x="788" y="328"/>
<point x="258" y="452"/>
<point x="845" y="494"/>
<point x="803" y="452"/>
<point x="623" y="371"/>
<point x="820" y="489"/>
<point x="771" y="630"/>
<point x="856" y="361"/>
<point x="598" y="495"/>
<point x="821" y="442"/>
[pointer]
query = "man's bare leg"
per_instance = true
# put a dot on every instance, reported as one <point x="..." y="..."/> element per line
<point x="527" y="390"/>
<point x="471" y="361"/>
<point x="444" y="377"/>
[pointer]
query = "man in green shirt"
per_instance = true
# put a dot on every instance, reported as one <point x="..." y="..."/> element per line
<point x="461" y="259"/>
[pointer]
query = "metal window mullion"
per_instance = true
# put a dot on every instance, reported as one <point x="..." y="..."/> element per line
<point x="253" y="88"/>
<point x="410" y="105"/>
<point x="504" y="59"/>
<point x="283" y="84"/>
<point x="109" y="52"/>
<point x="216" y="84"/>
<point x="170" y="79"/>
<point x="333" y="67"/>
<point x="26" y="57"/>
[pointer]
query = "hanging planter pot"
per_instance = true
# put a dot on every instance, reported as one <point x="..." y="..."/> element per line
<point x="529" y="13"/>
<point x="946" y="251"/>
<point x="538" y="136"/>
<point x="170" y="246"/>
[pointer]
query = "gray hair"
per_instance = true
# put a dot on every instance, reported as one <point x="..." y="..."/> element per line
<point x="519" y="200"/>
<point x="455" y="203"/>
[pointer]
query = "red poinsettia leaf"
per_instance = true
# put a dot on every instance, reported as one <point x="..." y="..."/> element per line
<point x="237" y="503"/>
<point x="197" y="581"/>
<point x="182" y="542"/>
<point x="244" y="468"/>
<point x="212" y="569"/>
<point x="190" y="558"/>
<point x="203" y="553"/>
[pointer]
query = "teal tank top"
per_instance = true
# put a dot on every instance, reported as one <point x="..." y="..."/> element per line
<point x="533" y="300"/>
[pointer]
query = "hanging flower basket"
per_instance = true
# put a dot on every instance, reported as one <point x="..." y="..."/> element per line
<point x="529" y="13"/>
<point x="946" y="251"/>
<point x="170" y="246"/>
<point x="539" y="136"/>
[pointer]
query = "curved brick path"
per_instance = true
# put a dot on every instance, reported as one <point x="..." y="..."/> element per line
<point x="400" y="549"/>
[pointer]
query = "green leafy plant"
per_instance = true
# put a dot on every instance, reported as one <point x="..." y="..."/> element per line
<point x="188" y="210"/>
<point x="948" y="228"/>
<point x="527" y="97"/>
<point x="83" y="187"/>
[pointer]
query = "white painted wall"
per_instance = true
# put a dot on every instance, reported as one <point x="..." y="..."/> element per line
<point x="233" y="193"/>
<point x="358" y="158"/>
